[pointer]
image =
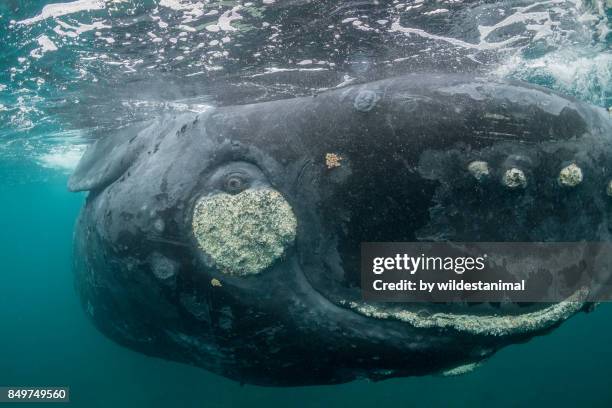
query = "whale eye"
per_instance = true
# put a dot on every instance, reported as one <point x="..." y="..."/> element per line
<point x="235" y="183"/>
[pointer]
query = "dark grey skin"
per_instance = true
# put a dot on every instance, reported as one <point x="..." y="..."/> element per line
<point x="405" y="145"/>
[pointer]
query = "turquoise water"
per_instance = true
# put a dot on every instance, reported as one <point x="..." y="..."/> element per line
<point x="54" y="101"/>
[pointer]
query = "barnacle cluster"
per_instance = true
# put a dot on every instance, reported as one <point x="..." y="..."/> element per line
<point x="244" y="233"/>
<point x="570" y="176"/>
<point x="479" y="169"/>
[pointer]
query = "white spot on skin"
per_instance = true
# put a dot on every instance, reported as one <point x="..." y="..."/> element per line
<point x="514" y="178"/>
<point x="479" y="169"/>
<point x="570" y="176"/>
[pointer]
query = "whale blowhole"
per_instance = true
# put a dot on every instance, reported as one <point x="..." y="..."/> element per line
<point x="244" y="233"/>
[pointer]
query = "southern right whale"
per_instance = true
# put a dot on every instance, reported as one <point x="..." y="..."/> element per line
<point x="230" y="239"/>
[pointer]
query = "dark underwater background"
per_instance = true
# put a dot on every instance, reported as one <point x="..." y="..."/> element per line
<point x="69" y="75"/>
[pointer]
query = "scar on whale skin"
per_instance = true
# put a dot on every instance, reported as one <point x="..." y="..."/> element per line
<point x="365" y="101"/>
<point x="244" y="233"/>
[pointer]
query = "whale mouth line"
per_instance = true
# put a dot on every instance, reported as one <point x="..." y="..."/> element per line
<point x="477" y="324"/>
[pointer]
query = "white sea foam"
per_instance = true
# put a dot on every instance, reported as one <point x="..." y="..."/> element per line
<point x="62" y="9"/>
<point x="79" y="29"/>
<point x="538" y="23"/>
<point x="588" y="77"/>
<point x="437" y="11"/>
<point x="397" y="27"/>
<point x="63" y="158"/>
<point x="45" y="45"/>
<point x="227" y="17"/>
<point x="177" y="4"/>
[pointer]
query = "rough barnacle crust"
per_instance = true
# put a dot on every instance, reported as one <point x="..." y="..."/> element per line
<point x="244" y="233"/>
<point x="570" y="176"/>
<point x="479" y="169"/>
<point x="492" y="325"/>
<point x="332" y="160"/>
<point x="514" y="178"/>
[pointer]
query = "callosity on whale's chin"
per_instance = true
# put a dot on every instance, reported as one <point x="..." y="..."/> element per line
<point x="231" y="240"/>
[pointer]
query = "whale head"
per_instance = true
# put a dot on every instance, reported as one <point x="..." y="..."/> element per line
<point x="231" y="240"/>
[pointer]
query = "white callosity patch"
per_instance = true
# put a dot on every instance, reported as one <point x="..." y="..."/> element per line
<point x="460" y="370"/>
<point x="570" y="176"/>
<point x="492" y="325"/>
<point x="479" y="169"/>
<point x="514" y="178"/>
<point x="244" y="233"/>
